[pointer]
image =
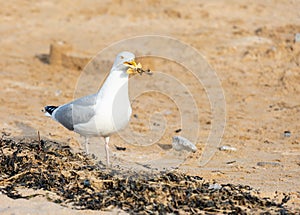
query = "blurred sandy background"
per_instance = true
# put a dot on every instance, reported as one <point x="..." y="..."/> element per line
<point x="250" y="44"/>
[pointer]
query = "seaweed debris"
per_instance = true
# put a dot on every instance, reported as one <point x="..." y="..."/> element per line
<point x="81" y="183"/>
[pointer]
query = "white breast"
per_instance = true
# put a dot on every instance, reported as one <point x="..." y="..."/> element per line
<point x="113" y="109"/>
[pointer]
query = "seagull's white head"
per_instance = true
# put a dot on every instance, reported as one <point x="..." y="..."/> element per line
<point x="126" y="61"/>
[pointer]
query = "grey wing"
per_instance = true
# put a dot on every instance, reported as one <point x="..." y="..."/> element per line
<point x="89" y="100"/>
<point x="76" y="112"/>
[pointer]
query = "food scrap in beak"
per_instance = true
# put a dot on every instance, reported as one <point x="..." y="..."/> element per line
<point x="135" y="68"/>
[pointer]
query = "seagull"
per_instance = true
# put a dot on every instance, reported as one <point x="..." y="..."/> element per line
<point x="105" y="112"/>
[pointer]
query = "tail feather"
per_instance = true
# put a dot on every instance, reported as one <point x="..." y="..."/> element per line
<point x="49" y="110"/>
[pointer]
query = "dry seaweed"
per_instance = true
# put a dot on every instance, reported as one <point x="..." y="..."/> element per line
<point x="82" y="183"/>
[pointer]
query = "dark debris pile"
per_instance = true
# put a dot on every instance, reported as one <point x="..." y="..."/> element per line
<point x="82" y="183"/>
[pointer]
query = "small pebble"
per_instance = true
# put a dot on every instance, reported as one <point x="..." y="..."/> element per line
<point x="177" y="130"/>
<point x="180" y="143"/>
<point x="120" y="148"/>
<point x="214" y="186"/>
<point x="227" y="148"/>
<point x="286" y="133"/>
<point x="268" y="164"/>
<point x="86" y="183"/>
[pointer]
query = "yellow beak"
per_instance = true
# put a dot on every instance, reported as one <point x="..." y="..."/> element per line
<point x="133" y="67"/>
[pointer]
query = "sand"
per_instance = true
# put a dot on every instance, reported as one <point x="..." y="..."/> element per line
<point x="250" y="45"/>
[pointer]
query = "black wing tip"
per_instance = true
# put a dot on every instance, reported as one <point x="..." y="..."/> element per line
<point x="49" y="109"/>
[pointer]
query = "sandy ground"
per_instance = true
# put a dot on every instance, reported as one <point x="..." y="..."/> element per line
<point x="250" y="45"/>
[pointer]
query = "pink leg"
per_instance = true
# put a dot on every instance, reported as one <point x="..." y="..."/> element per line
<point x="86" y="145"/>
<point x="106" y="139"/>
